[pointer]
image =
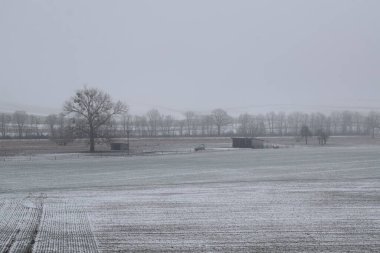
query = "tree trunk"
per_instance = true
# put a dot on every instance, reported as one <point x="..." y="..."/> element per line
<point x="306" y="140"/>
<point x="92" y="144"/>
<point x="218" y="130"/>
<point x="92" y="140"/>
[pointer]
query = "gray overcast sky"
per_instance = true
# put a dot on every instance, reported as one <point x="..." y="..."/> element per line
<point x="238" y="55"/>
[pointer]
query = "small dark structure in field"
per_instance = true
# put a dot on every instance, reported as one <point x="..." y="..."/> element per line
<point x="119" y="146"/>
<point x="200" y="147"/>
<point x="247" y="142"/>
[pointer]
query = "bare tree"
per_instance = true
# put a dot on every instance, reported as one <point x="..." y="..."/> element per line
<point x="167" y="125"/>
<point x="189" y="119"/>
<point x="244" y="122"/>
<point x="250" y="125"/>
<point x="5" y="119"/>
<point x="35" y="122"/>
<point x="63" y="130"/>
<point x="317" y="121"/>
<point x="154" y="118"/>
<point x="294" y="122"/>
<point x="322" y="136"/>
<point x="181" y="125"/>
<point x="195" y="124"/>
<point x="96" y="108"/>
<point x="357" y="121"/>
<point x="108" y="131"/>
<point x="126" y="123"/>
<point x="140" y="125"/>
<point x="259" y="125"/>
<point x="20" y="118"/>
<point x="51" y="121"/>
<point x="305" y="132"/>
<point x="373" y="121"/>
<point x="347" y="122"/>
<point x="281" y="123"/>
<point x="336" y="119"/>
<point x="221" y="119"/>
<point x="208" y="124"/>
<point x="271" y="117"/>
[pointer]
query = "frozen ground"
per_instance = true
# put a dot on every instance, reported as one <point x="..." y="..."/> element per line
<point x="295" y="200"/>
<point x="30" y="147"/>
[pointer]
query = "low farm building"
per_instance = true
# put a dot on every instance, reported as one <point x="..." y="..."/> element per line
<point x="119" y="146"/>
<point x="247" y="142"/>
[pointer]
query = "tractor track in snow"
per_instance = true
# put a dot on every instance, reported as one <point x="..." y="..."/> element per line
<point x="19" y="223"/>
<point x="65" y="228"/>
<point x="35" y="225"/>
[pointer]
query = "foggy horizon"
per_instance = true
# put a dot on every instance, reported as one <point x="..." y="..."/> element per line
<point x="246" y="56"/>
<point x="189" y="126"/>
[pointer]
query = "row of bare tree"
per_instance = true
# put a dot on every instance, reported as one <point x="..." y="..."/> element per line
<point x="217" y="123"/>
<point x="153" y="123"/>
<point x="91" y="113"/>
<point x="336" y="123"/>
<point x="21" y="125"/>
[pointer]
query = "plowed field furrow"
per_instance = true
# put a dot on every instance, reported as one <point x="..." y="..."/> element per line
<point x="28" y="227"/>
<point x="10" y="217"/>
<point x="64" y="228"/>
<point x="18" y="223"/>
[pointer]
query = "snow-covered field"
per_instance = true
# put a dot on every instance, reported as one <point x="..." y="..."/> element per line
<point x="295" y="200"/>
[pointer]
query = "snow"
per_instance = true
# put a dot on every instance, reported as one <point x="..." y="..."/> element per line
<point x="295" y="200"/>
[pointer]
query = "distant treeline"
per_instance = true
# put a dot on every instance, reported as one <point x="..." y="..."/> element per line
<point x="218" y="123"/>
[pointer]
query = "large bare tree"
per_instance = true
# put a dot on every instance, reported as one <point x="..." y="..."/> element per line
<point x="96" y="108"/>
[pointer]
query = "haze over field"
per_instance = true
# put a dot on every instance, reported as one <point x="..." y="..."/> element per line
<point x="189" y="126"/>
<point x="180" y="55"/>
